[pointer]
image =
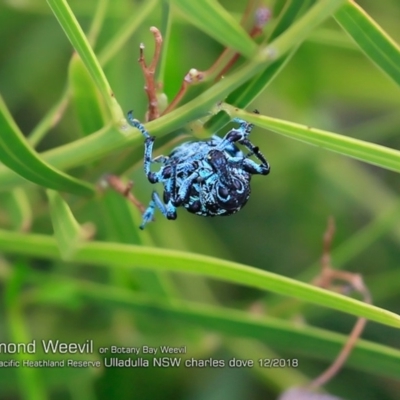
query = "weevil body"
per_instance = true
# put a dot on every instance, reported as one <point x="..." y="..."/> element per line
<point x="208" y="178"/>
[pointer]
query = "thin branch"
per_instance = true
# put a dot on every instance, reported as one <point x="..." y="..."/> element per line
<point x="325" y="279"/>
<point x="224" y="62"/>
<point x="192" y="77"/>
<point x="114" y="182"/>
<point x="149" y="73"/>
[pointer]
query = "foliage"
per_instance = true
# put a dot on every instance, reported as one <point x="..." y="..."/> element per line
<point x="69" y="73"/>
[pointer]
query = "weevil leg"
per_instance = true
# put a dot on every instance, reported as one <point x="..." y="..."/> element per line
<point x="184" y="188"/>
<point x="264" y="167"/>
<point x="168" y="210"/>
<point x="237" y="135"/>
<point x="241" y="135"/>
<point x="153" y="177"/>
<point x="137" y="124"/>
<point x="253" y="168"/>
<point x="249" y="165"/>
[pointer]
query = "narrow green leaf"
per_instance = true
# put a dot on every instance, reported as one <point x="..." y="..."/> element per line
<point x="166" y="22"/>
<point x="127" y="256"/>
<point x="212" y="18"/>
<point x="109" y="139"/>
<point x="287" y="16"/>
<point x="74" y="32"/>
<point x="305" y="341"/>
<point x="114" y="255"/>
<point x="123" y="222"/>
<point x="85" y="96"/>
<point x="302" y="28"/>
<point x="30" y="385"/>
<point x="116" y="43"/>
<point x="17" y="155"/>
<point x="371" y="153"/>
<point x="246" y="93"/>
<point x="67" y="231"/>
<point x="118" y="217"/>
<point x="371" y="38"/>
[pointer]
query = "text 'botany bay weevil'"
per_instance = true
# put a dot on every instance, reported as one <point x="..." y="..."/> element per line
<point x="208" y="178"/>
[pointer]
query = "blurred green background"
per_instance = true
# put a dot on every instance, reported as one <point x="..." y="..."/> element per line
<point x="328" y="84"/>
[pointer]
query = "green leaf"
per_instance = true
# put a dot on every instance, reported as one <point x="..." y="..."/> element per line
<point x="116" y="255"/>
<point x="67" y="231"/>
<point x="287" y="16"/>
<point x="33" y="388"/>
<point x="371" y="38"/>
<point x="87" y="100"/>
<point x="122" y="221"/>
<point x="302" y="28"/>
<point x="371" y="153"/>
<point x="133" y="21"/>
<point x="119" y="220"/>
<point x="166" y="22"/>
<point x="212" y="18"/>
<point x="16" y="154"/>
<point x="109" y="139"/>
<point x="246" y="93"/>
<point x="304" y="340"/>
<point x="75" y="34"/>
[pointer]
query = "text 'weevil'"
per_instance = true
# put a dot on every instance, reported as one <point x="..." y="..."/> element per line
<point x="208" y="178"/>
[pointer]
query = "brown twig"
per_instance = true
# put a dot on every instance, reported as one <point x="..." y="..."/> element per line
<point x="192" y="77"/>
<point x="114" y="182"/>
<point x="149" y="72"/>
<point x="325" y="279"/>
<point x="262" y="16"/>
<point x="223" y="63"/>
